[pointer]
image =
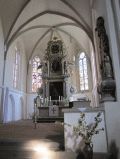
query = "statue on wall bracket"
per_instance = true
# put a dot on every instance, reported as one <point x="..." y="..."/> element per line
<point x="107" y="86"/>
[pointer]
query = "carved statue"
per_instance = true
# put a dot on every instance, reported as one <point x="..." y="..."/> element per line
<point x="107" y="85"/>
<point x="45" y="68"/>
<point x="106" y="62"/>
<point x="65" y="67"/>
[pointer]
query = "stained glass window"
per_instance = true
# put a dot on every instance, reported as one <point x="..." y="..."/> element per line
<point x="83" y="72"/>
<point x="16" y="68"/>
<point x="36" y="74"/>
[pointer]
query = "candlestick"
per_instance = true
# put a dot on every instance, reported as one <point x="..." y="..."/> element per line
<point x="45" y="100"/>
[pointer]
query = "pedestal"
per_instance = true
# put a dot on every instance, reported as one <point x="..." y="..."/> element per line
<point x="107" y="90"/>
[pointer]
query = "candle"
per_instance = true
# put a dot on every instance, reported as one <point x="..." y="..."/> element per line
<point x="50" y="98"/>
<point x="59" y="98"/>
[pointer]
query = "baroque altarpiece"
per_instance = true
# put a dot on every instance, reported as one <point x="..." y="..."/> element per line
<point x="54" y="71"/>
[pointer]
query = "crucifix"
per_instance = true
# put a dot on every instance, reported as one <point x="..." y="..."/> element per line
<point x="53" y="110"/>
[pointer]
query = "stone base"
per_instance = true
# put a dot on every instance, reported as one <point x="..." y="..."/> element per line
<point x="107" y="90"/>
<point x="79" y="104"/>
<point x="107" y="98"/>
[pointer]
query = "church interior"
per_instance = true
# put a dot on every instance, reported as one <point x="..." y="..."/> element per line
<point x="60" y="59"/>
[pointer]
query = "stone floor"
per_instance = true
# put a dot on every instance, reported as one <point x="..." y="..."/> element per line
<point x="20" y="140"/>
<point x="41" y="149"/>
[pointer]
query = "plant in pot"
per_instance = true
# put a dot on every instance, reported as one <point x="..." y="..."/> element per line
<point x="86" y="131"/>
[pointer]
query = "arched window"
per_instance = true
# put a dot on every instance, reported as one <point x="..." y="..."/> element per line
<point x="36" y="75"/>
<point x="83" y="72"/>
<point x="16" y="68"/>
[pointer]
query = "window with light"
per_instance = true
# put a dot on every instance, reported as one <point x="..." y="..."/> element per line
<point x="83" y="72"/>
<point x="16" y="68"/>
<point x="36" y="74"/>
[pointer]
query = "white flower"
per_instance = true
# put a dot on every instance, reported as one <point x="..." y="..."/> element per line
<point x="87" y="131"/>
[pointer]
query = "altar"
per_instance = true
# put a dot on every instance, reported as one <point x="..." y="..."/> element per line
<point x="51" y="111"/>
<point x="55" y="74"/>
<point x="50" y="114"/>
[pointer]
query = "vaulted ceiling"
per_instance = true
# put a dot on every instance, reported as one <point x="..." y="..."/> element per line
<point x="34" y="21"/>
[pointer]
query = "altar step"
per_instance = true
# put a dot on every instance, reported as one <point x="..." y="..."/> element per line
<point x="50" y="119"/>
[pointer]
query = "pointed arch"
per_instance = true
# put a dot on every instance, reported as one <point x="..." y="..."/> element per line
<point x="22" y="107"/>
<point x="36" y="75"/>
<point x="12" y="108"/>
<point x="16" y="68"/>
<point x="83" y="72"/>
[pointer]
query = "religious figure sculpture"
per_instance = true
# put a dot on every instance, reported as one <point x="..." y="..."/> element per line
<point x="107" y="85"/>
<point x="107" y="70"/>
<point x="65" y="67"/>
<point x="106" y="62"/>
<point x="38" y="101"/>
<point x="45" y="69"/>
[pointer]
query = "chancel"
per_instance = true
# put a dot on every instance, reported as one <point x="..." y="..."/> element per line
<point x="59" y="58"/>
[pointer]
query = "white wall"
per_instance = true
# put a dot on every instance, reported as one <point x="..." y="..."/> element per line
<point x="113" y="109"/>
<point x="30" y="104"/>
<point x="1" y="65"/>
<point x="23" y="66"/>
<point x="112" y="117"/>
<point x="10" y="60"/>
<point x="15" y="98"/>
<point x="1" y="53"/>
<point x="14" y="109"/>
<point x="116" y="12"/>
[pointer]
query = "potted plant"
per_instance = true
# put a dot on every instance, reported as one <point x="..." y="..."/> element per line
<point x="86" y="131"/>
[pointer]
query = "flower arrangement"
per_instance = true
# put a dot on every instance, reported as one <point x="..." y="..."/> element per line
<point x="87" y="131"/>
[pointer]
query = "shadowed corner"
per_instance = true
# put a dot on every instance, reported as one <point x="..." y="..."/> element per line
<point x="80" y="155"/>
<point x="113" y="150"/>
<point x="58" y="138"/>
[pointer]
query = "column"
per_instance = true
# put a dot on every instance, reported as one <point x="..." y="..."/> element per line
<point x="114" y="47"/>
